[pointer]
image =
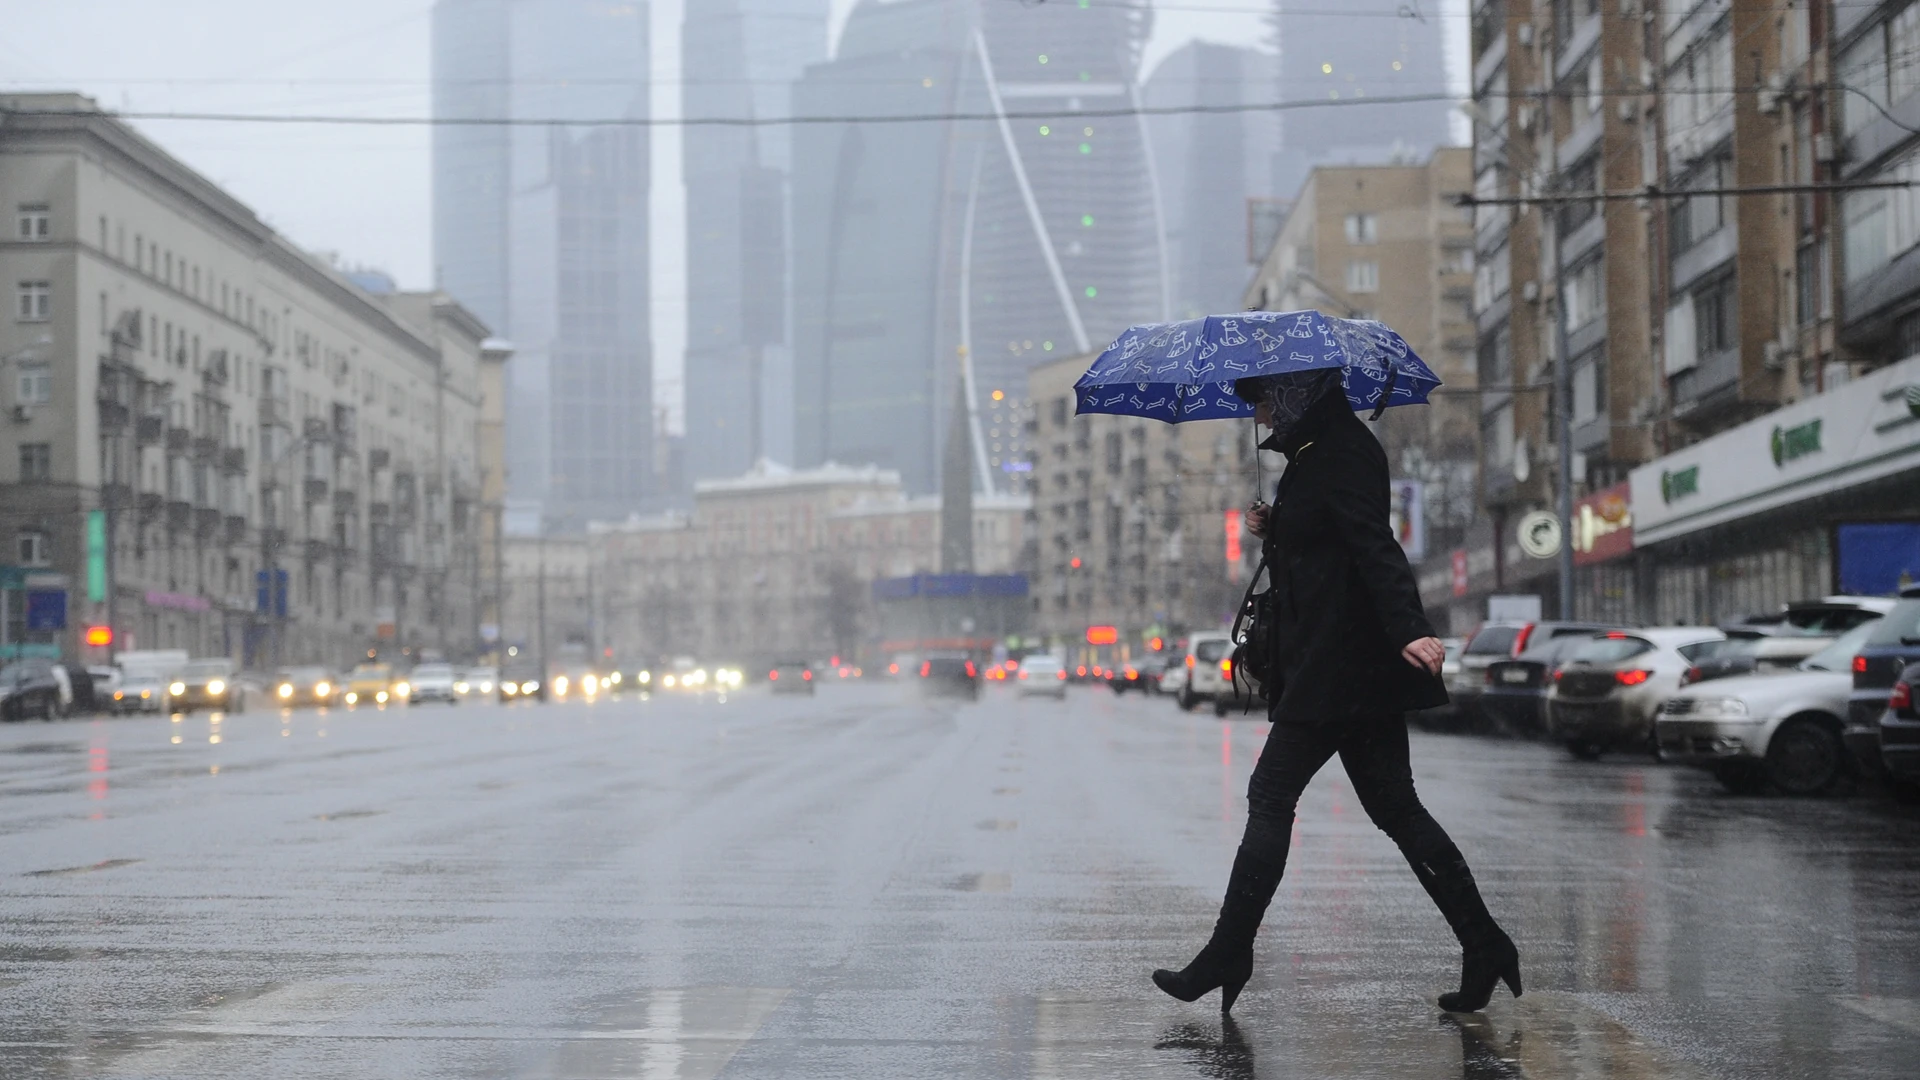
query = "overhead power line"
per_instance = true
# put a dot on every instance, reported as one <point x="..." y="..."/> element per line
<point x="1655" y="191"/>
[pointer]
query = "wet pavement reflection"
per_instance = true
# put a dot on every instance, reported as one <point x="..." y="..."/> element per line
<point x="865" y="884"/>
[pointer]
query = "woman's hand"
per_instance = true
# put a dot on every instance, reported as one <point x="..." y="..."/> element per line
<point x="1426" y="652"/>
<point x="1257" y="515"/>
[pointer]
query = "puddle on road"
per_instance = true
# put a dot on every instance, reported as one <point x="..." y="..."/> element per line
<point x="91" y="868"/>
<point x="685" y="1034"/>
<point x="1553" y="1034"/>
<point x="988" y="882"/>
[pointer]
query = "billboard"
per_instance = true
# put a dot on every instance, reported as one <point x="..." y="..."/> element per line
<point x="1876" y="558"/>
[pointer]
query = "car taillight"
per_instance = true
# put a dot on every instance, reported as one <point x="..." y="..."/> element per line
<point x="1558" y="675"/>
<point x="1520" y="639"/>
<point x="806" y="676"/>
<point x="1690" y="676"/>
<point x="1061" y="674"/>
<point x="1081" y="671"/>
<point x="1189" y="663"/>
<point x="970" y="671"/>
<point x="1631" y="678"/>
<point x="925" y="667"/>
<point x="1901" y="698"/>
<point x="893" y="669"/>
<point x="773" y="676"/>
<point x="1023" y="674"/>
<point x="1859" y="665"/>
<point x="1226" y="669"/>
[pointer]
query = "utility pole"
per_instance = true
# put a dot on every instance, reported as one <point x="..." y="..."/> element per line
<point x="540" y="603"/>
<point x="1563" y="425"/>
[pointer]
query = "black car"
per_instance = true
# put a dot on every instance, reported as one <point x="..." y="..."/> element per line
<point x="1900" y="733"/>
<point x="791" y="677"/>
<point x="1501" y="641"/>
<point x="29" y="689"/>
<point x="1894" y="643"/>
<point x="950" y="676"/>
<point x="1142" y="675"/>
<point x="1514" y="698"/>
<point x="522" y="678"/>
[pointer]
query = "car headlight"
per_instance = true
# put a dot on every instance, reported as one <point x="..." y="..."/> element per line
<point x="217" y="686"/>
<point x="486" y="688"/>
<point x="1720" y="708"/>
<point x="531" y="687"/>
<point x="509" y="689"/>
<point x="614" y="679"/>
<point x="667" y="682"/>
<point x="286" y="690"/>
<point x="645" y="677"/>
<point x="177" y="689"/>
<point x="460" y="688"/>
<point x="322" y="689"/>
<point x="402" y="689"/>
<point x="352" y="697"/>
<point x="560" y="684"/>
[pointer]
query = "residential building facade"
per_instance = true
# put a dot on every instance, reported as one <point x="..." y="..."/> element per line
<point x="215" y="441"/>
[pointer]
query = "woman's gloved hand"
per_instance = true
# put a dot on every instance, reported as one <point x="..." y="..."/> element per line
<point x="1426" y="652"/>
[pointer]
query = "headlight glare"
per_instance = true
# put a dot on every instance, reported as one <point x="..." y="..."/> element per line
<point x="176" y="689"/>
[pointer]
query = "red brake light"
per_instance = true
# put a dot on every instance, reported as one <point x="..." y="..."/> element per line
<point x="925" y="667"/>
<point x="893" y="669"/>
<point x="1487" y="676"/>
<point x="1061" y="674"/>
<point x="1226" y="668"/>
<point x="1616" y="635"/>
<point x="1558" y="675"/>
<point x="1631" y="678"/>
<point x="1859" y="665"/>
<point x="1901" y="698"/>
<point x="1520" y="639"/>
<point x="1189" y="663"/>
<point x="1023" y="674"/>
<point x="1690" y="676"/>
<point x="1012" y="664"/>
<point x="1081" y="671"/>
<point x="807" y="675"/>
<point x="773" y="676"/>
<point x="970" y="672"/>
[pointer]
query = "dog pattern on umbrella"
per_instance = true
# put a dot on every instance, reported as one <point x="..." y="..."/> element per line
<point x="1185" y="370"/>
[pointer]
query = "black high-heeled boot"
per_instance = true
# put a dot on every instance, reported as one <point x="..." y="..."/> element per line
<point x="1487" y="955"/>
<point x="1226" y="961"/>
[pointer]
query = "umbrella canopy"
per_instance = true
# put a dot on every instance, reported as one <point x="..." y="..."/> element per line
<point x="1180" y="371"/>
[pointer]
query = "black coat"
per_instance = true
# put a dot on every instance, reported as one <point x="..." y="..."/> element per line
<point x="1346" y="601"/>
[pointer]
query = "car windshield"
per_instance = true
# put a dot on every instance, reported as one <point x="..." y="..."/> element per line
<point x="1824" y="620"/>
<point x="1839" y="655"/>
<point x="1216" y="649"/>
<point x="206" y="667"/>
<point x="1493" y="640"/>
<point x="15" y="674"/>
<point x="433" y="671"/>
<point x="1731" y="648"/>
<point x="1610" y="649"/>
<point x="1900" y="627"/>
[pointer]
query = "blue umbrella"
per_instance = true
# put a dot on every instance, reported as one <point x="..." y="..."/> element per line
<point x="1180" y="371"/>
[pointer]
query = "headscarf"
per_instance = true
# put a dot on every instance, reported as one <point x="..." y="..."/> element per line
<point x="1290" y="396"/>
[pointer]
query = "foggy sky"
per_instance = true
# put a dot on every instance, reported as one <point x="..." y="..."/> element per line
<point x="364" y="192"/>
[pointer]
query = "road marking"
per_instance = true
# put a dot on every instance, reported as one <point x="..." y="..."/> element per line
<point x="1903" y="1013"/>
<point x="682" y="1034"/>
<point x="1552" y="1034"/>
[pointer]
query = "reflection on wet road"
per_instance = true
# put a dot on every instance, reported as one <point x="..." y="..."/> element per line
<point x="863" y="884"/>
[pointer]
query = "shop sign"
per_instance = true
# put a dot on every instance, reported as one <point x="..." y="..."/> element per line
<point x="1459" y="571"/>
<point x="1795" y="442"/>
<point x="47" y="609"/>
<point x="1540" y="534"/>
<point x="1719" y="480"/>
<point x="1603" y="525"/>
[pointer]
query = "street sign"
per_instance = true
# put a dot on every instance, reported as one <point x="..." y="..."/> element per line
<point x="96" y="556"/>
<point x="47" y="609"/>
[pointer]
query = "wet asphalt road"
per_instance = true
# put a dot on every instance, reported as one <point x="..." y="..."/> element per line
<point x="862" y="884"/>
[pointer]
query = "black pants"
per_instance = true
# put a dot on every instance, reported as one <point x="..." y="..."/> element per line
<point x="1373" y="748"/>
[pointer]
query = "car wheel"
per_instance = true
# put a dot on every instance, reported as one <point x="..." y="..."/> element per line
<point x="1585" y="749"/>
<point x="1186" y="701"/>
<point x="1740" y="778"/>
<point x="1219" y="707"/>
<point x="1804" y="757"/>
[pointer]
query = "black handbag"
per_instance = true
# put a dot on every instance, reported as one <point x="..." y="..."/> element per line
<point x="1253" y="631"/>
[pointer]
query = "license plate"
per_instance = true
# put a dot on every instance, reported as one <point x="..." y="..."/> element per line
<point x="1513" y="676"/>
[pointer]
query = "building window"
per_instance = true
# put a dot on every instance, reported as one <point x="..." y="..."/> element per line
<point x="1497" y="437"/>
<point x="32" y="549"/>
<point x="1715" y="312"/>
<point x="35" y="385"/>
<point x="1116" y="451"/>
<point x="1492" y="279"/>
<point x="34" y="221"/>
<point x="35" y="301"/>
<point x="1589" y="387"/>
<point x="1586" y="294"/>
<point x="1361" y="229"/>
<point x="1496" y="357"/>
<point x="1700" y="216"/>
<point x="36" y="462"/>
<point x="1363" y="276"/>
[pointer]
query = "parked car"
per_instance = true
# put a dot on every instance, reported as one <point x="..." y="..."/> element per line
<point x="1890" y="647"/>
<point x="1606" y="695"/>
<point x="1041" y="674"/>
<point x="297" y="687"/>
<point x="208" y="683"/>
<point x="1142" y="675"/>
<point x="145" y="675"/>
<point x="31" y="689"/>
<point x="522" y="678"/>
<point x="1174" y="682"/>
<point x="1781" y="729"/>
<point x="791" y="677"/>
<point x="370" y="684"/>
<point x="1501" y="641"/>
<point x="1514" y="698"/>
<point x="431" y="682"/>
<point x="1900" y="734"/>
<point x="950" y="676"/>
<point x="1778" y="642"/>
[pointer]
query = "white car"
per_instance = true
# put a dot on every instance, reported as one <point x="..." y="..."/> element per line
<point x="1781" y="729"/>
<point x="1607" y="693"/>
<point x="431" y="682"/>
<point x="1040" y="674"/>
<point x="1210" y="675"/>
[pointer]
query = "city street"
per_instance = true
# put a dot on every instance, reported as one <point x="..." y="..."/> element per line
<point x="864" y="884"/>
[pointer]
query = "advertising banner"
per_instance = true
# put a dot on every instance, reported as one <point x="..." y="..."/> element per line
<point x="1603" y="525"/>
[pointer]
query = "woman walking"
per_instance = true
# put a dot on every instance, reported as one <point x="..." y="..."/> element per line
<point x="1352" y="652"/>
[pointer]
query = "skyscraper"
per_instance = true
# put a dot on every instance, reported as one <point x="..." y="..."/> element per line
<point x="740" y="58"/>
<point x="1210" y="164"/>
<point x="542" y="228"/>
<point x="1349" y="52"/>
<point x="936" y="255"/>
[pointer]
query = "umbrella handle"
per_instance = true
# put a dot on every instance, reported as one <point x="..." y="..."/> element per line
<point x="1386" y="393"/>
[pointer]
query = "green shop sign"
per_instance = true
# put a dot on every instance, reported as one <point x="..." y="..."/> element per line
<point x="1680" y="483"/>
<point x="1795" y="442"/>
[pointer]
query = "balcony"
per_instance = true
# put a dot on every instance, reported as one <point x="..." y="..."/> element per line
<point x="150" y="503"/>
<point x="233" y="461"/>
<point x="275" y="412"/>
<point x="316" y="430"/>
<point x="114" y="417"/>
<point x="317" y="550"/>
<point x="379" y="459"/>
<point x="179" y="515"/>
<point x="315" y="490"/>
<point x="236" y="530"/>
<point x="344" y="501"/>
<point x="206" y="523"/>
<point x="116" y="496"/>
<point x="179" y="440"/>
<point x="150" y="429"/>
<point x="1713" y="381"/>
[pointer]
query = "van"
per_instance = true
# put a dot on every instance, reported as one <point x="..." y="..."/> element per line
<point x="1210" y="675"/>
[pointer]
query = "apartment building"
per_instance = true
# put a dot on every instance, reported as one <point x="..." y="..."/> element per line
<point x="213" y="440"/>
<point x="1136" y="524"/>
